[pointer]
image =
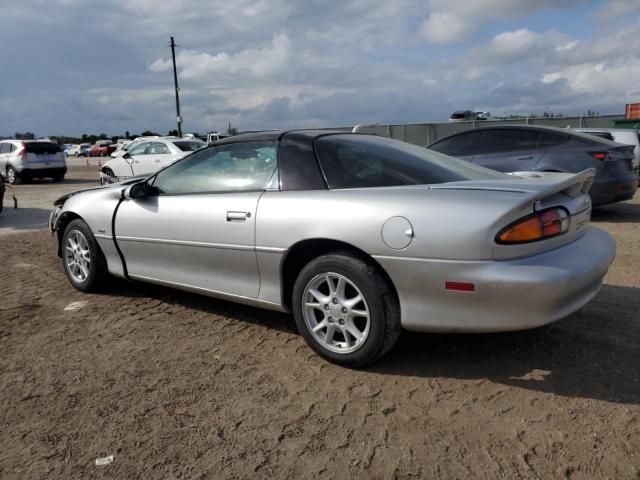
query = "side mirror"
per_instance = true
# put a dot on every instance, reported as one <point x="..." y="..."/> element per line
<point x="135" y="191"/>
<point x="126" y="155"/>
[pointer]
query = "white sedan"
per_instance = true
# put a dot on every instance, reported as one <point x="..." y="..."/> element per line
<point x="147" y="157"/>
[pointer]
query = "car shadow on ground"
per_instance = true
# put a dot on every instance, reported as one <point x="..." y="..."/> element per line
<point x="213" y="306"/>
<point x="594" y="353"/>
<point x="67" y="181"/>
<point x="14" y="220"/>
<point x="623" y="212"/>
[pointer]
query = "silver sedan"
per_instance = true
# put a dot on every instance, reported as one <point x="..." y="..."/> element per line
<point x="358" y="236"/>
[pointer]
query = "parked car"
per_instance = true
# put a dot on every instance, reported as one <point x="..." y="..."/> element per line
<point x="463" y="116"/>
<point x="66" y="148"/>
<point x="74" y="150"/>
<point x="626" y="136"/>
<point x="358" y="235"/>
<point x="25" y="159"/>
<point x="2" y="188"/>
<point x="147" y="157"/>
<point x="216" y="136"/>
<point x="121" y="151"/>
<point x="548" y="149"/>
<point x="102" y="148"/>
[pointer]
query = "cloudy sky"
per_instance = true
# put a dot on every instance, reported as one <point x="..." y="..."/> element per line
<point x="89" y="66"/>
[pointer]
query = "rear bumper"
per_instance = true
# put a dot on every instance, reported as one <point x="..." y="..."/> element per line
<point x="509" y="295"/>
<point x="43" y="172"/>
<point x="614" y="190"/>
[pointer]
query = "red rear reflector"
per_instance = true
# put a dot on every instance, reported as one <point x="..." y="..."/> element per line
<point x="460" y="286"/>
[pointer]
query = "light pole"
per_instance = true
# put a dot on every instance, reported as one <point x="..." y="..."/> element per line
<point x="175" y="83"/>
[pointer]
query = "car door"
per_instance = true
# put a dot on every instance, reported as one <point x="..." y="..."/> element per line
<point x="196" y="227"/>
<point x="5" y="148"/>
<point x="157" y="155"/>
<point x="508" y="150"/>
<point x="141" y="159"/>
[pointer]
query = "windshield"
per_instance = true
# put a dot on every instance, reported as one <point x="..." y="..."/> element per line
<point x="361" y="161"/>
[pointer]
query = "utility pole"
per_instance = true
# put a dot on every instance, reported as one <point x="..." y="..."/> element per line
<point x="175" y="82"/>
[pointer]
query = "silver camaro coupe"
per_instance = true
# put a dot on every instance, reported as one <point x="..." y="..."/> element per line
<point x="358" y="236"/>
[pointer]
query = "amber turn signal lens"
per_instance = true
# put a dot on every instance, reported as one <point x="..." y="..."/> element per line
<point x="541" y="225"/>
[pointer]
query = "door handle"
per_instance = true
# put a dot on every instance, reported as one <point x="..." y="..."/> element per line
<point x="237" y="216"/>
<point x="525" y="158"/>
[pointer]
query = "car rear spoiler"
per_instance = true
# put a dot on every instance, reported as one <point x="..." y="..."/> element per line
<point x="538" y="184"/>
<point x="572" y="185"/>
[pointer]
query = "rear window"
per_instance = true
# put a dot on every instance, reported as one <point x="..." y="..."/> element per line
<point x="359" y="161"/>
<point x="187" y="146"/>
<point x="464" y="144"/>
<point x="606" y="135"/>
<point x="508" y="140"/>
<point x="41" y="148"/>
<point x="551" y="140"/>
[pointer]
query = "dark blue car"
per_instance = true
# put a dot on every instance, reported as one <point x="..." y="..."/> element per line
<point x="547" y="149"/>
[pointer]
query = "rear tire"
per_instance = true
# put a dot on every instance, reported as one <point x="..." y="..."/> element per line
<point x="82" y="259"/>
<point x="12" y="176"/>
<point x="345" y="309"/>
<point x="58" y="178"/>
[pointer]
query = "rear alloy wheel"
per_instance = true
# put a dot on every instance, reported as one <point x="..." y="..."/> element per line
<point x="345" y="309"/>
<point x="12" y="176"/>
<point x="82" y="258"/>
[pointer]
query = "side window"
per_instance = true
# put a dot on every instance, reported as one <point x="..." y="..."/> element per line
<point x="461" y="145"/>
<point x="505" y="140"/>
<point x="157" y="148"/>
<point x="12" y="147"/>
<point x="240" y="167"/>
<point x="4" y="148"/>
<point x="138" y="149"/>
<point x="548" y="140"/>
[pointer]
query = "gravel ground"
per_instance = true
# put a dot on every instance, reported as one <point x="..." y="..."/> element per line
<point x="175" y="385"/>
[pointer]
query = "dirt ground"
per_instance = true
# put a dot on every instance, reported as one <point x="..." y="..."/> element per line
<point x="175" y="385"/>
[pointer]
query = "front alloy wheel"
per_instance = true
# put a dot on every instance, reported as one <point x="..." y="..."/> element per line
<point x="77" y="256"/>
<point x="82" y="258"/>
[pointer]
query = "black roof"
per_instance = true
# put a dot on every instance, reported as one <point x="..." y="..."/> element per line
<point x="270" y="135"/>
<point x="585" y="137"/>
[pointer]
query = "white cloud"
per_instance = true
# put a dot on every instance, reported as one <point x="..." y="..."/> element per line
<point x="256" y="63"/>
<point x="618" y="8"/>
<point x="451" y="21"/>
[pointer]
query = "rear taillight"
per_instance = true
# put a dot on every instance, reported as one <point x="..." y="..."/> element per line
<point x="539" y="226"/>
<point x="23" y="151"/>
<point x="602" y="156"/>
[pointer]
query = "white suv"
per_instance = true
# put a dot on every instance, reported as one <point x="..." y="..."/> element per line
<point x="25" y="159"/>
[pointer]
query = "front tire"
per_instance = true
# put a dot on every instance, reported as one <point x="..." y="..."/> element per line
<point x="345" y="309"/>
<point x="82" y="259"/>
<point x="107" y="171"/>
